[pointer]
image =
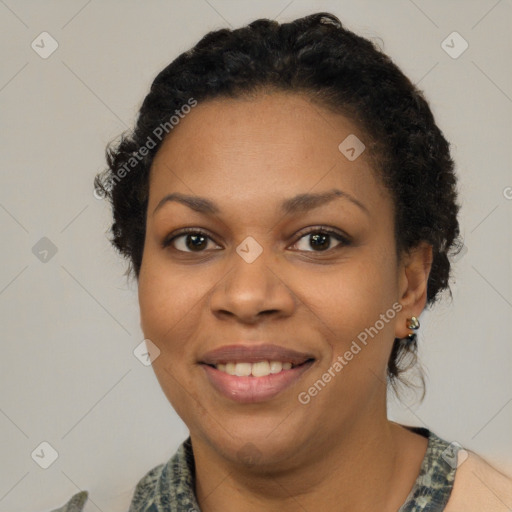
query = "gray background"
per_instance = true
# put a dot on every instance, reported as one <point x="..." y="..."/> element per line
<point x="69" y="324"/>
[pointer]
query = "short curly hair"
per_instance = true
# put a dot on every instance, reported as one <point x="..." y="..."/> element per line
<point x="337" y="69"/>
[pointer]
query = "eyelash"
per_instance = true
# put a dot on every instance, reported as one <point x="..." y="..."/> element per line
<point x="343" y="239"/>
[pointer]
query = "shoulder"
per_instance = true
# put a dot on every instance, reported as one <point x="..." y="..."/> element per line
<point x="169" y="486"/>
<point x="75" y="504"/>
<point x="479" y="486"/>
<point x="146" y="489"/>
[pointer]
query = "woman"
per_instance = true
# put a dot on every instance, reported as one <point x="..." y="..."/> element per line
<point x="288" y="207"/>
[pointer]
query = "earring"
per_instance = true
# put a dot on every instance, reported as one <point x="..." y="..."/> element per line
<point x="414" y="324"/>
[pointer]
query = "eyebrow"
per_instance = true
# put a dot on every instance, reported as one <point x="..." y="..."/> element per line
<point x="298" y="204"/>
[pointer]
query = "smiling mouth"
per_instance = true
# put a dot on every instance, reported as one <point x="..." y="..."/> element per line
<point x="258" y="369"/>
<point x="255" y="382"/>
<point x="250" y="373"/>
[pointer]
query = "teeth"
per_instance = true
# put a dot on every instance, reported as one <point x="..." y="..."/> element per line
<point x="230" y="368"/>
<point x="276" y="366"/>
<point x="259" y="369"/>
<point x="243" y="369"/>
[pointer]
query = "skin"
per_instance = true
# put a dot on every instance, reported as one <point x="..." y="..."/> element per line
<point x="248" y="155"/>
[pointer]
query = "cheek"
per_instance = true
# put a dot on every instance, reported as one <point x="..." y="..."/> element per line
<point x="355" y="292"/>
<point x="170" y="301"/>
<point x="356" y="303"/>
<point x="170" y="298"/>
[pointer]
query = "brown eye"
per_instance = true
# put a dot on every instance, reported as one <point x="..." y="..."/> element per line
<point x="320" y="240"/>
<point x="189" y="241"/>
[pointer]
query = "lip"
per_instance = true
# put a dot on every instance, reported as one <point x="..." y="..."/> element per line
<point x="254" y="353"/>
<point x="248" y="390"/>
<point x="254" y="389"/>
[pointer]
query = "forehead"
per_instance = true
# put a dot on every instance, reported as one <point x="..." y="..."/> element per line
<point x="273" y="145"/>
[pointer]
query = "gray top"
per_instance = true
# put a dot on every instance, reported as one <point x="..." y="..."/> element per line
<point x="169" y="487"/>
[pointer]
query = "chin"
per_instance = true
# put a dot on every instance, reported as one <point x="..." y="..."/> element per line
<point x="255" y="447"/>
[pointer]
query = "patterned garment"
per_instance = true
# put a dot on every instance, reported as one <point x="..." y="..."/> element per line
<point x="170" y="487"/>
<point x="434" y="484"/>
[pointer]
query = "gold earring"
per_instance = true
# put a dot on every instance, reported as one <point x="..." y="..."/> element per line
<point x="414" y="324"/>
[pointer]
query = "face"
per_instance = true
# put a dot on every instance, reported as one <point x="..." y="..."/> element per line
<point x="276" y="267"/>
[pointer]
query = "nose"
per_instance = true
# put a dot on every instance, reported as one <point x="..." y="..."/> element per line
<point x="250" y="292"/>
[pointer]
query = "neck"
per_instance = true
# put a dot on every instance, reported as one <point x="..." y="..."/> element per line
<point x="367" y="467"/>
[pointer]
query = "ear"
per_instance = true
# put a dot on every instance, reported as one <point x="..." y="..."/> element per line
<point x="413" y="272"/>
